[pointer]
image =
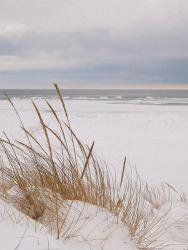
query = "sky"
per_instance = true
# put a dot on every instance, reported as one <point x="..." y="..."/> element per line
<point x="94" y="44"/>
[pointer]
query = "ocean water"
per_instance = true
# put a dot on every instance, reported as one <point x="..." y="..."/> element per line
<point x="132" y="96"/>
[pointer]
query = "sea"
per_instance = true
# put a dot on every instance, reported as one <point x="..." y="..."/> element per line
<point x="132" y="96"/>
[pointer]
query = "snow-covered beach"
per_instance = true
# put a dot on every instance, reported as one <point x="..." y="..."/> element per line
<point x="154" y="138"/>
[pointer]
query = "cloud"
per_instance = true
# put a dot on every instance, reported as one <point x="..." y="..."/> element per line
<point x="83" y="41"/>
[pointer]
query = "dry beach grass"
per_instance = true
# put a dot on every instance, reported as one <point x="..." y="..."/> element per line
<point x="43" y="181"/>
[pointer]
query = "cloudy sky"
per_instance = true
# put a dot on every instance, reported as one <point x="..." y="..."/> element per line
<point x="100" y="43"/>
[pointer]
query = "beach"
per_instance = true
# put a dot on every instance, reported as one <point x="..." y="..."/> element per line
<point x="150" y="132"/>
<point x="153" y="137"/>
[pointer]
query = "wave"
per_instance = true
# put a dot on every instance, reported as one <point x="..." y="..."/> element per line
<point x="113" y="99"/>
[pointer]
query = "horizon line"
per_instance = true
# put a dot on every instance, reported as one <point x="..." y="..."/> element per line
<point x="98" y="86"/>
<point x="185" y="88"/>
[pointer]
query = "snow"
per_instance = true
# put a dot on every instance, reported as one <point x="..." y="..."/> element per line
<point x="96" y="230"/>
<point x="176" y="226"/>
<point x="20" y="232"/>
<point x="153" y="137"/>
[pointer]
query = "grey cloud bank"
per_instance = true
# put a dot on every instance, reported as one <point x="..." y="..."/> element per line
<point x="83" y="42"/>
